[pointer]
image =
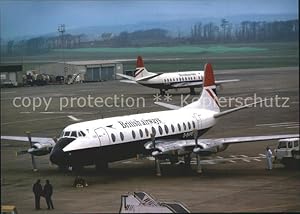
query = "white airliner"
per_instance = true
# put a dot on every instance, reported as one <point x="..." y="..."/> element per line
<point x="162" y="134"/>
<point x="165" y="81"/>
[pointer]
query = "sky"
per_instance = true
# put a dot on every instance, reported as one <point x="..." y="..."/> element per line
<point x="20" y="17"/>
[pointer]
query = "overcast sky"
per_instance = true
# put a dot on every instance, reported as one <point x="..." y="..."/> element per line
<point x="20" y="18"/>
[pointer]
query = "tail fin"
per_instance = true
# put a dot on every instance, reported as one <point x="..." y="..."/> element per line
<point x="140" y="70"/>
<point x="208" y="99"/>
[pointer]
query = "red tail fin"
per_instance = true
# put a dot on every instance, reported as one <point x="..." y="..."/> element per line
<point x="139" y="62"/>
<point x="209" y="78"/>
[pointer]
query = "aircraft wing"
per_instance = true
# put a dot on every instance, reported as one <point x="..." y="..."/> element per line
<point x="220" y="82"/>
<point x="167" y="105"/>
<point x="41" y="140"/>
<point x="208" y="145"/>
<point x="186" y="84"/>
<point x="191" y="84"/>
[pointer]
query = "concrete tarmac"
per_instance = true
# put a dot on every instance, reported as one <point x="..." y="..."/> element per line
<point x="240" y="185"/>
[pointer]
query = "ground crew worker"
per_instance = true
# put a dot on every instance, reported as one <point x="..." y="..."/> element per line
<point x="48" y="190"/>
<point x="269" y="158"/>
<point x="37" y="190"/>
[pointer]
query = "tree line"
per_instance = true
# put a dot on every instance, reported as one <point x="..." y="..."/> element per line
<point x="246" y="31"/>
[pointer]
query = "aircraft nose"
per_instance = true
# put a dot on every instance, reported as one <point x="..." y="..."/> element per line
<point x="57" y="155"/>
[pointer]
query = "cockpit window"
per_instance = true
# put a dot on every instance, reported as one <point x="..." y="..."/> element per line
<point x="83" y="134"/>
<point x="74" y="134"/>
<point x="79" y="134"/>
<point x="66" y="134"/>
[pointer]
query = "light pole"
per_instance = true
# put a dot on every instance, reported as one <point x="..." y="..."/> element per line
<point x="62" y="29"/>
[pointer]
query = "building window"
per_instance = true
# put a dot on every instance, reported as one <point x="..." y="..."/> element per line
<point x="113" y="137"/>
<point x="141" y="133"/>
<point x="121" y="136"/>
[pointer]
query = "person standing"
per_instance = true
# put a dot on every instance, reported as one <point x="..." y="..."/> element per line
<point x="269" y="158"/>
<point x="37" y="190"/>
<point x="48" y="190"/>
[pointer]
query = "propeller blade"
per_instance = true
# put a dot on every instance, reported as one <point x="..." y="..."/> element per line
<point x="32" y="156"/>
<point x="33" y="163"/>
<point x="22" y="152"/>
<point x="196" y="137"/>
<point x="153" y="140"/>
<point x="29" y="138"/>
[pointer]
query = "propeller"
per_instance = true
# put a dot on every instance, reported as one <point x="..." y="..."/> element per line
<point x="196" y="150"/>
<point x="157" y="164"/>
<point x="32" y="156"/>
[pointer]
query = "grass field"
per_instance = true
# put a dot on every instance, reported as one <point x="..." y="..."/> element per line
<point x="184" y="57"/>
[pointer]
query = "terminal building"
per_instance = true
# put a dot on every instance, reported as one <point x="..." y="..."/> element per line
<point x="11" y="75"/>
<point x="89" y="71"/>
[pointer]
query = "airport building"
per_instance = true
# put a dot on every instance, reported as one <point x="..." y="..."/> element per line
<point x="89" y="71"/>
<point x="11" y="75"/>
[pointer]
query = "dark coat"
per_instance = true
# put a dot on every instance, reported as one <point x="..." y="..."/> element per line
<point x="37" y="189"/>
<point x="48" y="190"/>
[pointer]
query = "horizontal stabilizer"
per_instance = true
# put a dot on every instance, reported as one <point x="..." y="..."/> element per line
<point x="126" y="76"/>
<point x="167" y="105"/>
<point x="220" y="114"/>
<point x="129" y="81"/>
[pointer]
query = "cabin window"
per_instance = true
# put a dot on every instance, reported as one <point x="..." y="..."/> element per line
<point x="141" y="133"/>
<point x="122" y="136"/>
<point x="153" y="131"/>
<point x="179" y="127"/>
<point x="83" y="134"/>
<point x="160" y="130"/>
<point x="166" y="129"/>
<point x="184" y="126"/>
<point x="113" y="137"/>
<point x="147" y="132"/>
<point x="173" y="128"/>
<point x="194" y="125"/>
<point x="133" y="134"/>
<point x="189" y="125"/>
<point x="67" y="134"/>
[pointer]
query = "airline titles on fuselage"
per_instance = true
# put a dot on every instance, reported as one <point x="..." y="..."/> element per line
<point x="135" y="123"/>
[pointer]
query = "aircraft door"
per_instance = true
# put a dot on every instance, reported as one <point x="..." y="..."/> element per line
<point x="198" y="119"/>
<point x="102" y="136"/>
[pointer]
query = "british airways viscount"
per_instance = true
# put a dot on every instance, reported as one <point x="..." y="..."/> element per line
<point x="170" y="80"/>
<point x="163" y="134"/>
